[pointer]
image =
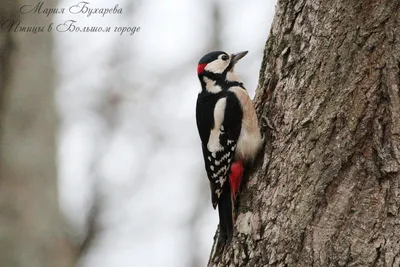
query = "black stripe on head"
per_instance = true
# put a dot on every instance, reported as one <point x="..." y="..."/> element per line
<point x="210" y="57"/>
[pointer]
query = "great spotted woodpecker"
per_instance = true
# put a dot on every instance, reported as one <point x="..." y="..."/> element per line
<point x="228" y="129"/>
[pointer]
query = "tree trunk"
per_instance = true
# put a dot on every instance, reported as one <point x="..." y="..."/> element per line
<point x="326" y="191"/>
<point x="31" y="230"/>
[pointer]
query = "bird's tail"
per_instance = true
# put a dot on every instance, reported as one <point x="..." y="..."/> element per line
<point x="225" y="210"/>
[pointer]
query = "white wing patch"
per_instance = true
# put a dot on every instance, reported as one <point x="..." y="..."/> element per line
<point x="213" y="144"/>
<point x="213" y="141"/>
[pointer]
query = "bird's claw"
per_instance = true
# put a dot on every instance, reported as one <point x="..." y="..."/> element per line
<point x="267" y="123"/>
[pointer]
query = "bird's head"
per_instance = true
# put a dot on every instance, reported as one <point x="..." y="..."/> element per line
<point x="218" y="67"/>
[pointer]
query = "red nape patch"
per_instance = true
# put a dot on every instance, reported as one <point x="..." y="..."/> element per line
<point x="200" y="68"/>
<point x="235" y="177"/>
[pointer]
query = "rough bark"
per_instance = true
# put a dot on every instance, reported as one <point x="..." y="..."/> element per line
<point x="326" y="191"/>
<point x="31" y="230"/>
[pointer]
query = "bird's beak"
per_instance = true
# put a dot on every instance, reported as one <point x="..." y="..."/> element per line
<point x="236" y="57"/>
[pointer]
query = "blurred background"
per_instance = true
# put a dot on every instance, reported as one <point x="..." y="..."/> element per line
<point x="98" y="138"/>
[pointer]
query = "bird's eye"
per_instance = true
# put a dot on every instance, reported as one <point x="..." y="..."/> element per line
<point x="224" y="57"/>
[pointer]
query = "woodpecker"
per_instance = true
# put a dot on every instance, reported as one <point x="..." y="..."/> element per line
<point x="228" y="129"/>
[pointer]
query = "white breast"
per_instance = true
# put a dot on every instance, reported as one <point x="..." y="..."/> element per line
<point x="250" y="141"/>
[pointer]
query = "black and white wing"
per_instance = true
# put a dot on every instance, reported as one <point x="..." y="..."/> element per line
<point x="219" y="141"/>
<point x="218" y="165"/>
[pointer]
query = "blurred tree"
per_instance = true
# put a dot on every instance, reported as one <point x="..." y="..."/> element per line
<point x="31" y="230"/>
<point x="326" y="192"/>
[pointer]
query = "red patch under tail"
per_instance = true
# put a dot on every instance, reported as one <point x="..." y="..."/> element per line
<point x="235" y="177"/>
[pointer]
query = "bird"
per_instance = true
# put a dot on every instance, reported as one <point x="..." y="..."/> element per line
<point x="229" y="132"/>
